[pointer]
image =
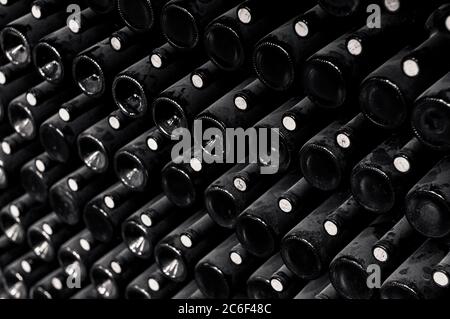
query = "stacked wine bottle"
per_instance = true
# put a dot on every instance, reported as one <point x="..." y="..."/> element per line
<point x="93" y="203"/>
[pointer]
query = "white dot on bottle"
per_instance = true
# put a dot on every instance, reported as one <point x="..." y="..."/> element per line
<point x="236" y="258"/>
<point x="354" y="47"/>
<point x="152" y="144"/>
<point x="197" y="81"/>
<point x="240" y="184"/>
<point x="115" y="43"/>
<point x="276" y="285"/>
<point x="240" y="103"/>
<point x="285" y="205"/>
<point x="392" y="5"/>
<point x="114" y="122"/>
<point x="402" y="164"/>
<point x="343" y="141"/>
<point x="115" y="266"/>
<point x="31" y="99"/>
<point x="109" y="202"/>
<point x="411" y="68"/>
<point x="74" y="26"/>
<point x="244" y="15"/>
<point x="195" y="164"/>
<point x="301" y="29"/>
<point x="14" y="211"/>
<point x="6" y="148"/>
<point x="2" y="78"/>
<point x="57" y="284"/>
<point x="289" y="123"/>
<point x="331" y="228"/>
<point x="156" y="61"/>
<point x="73" y="185"/>
<point x="36" y="12"/>
<point x="153" y="284"/>
<point x="441" y="279"/>
<point x="48" y="229"/>
<point x="64" y="114"/>
<point x="447" y="23"/>
<point x="146" y="220"/>
<point x="186" y="241"/>
<point x="40" y="166"/>
<point x="380" y="254"/>
<point x="85" y="244"/>
<point x="25" y="266"/>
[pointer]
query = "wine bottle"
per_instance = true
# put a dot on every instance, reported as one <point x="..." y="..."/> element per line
<point x="26" y="113"/>
<point x="23" y="273"/>
<point x="262" y="225"/>
<point x="279" y="57"/>
<point x="135" y="88"/>
<point x="104" y="213"/>
<point x="79" y="253"/>
<point x="151" y="284"/>
<point x="54" y="286"/>
<point x="351" y="268"/>
<point x="10" y="72"/>
<point x="19" y="37"/>
<point x="59" y="133"/>
<point x="12" y="10"/>
<point x="94" y="69"/>
<point x="375" y="182"/>
<point x="138" y="164"/>
<point x="10" y="251"/>
<point x="273" y="281"/>
<point x="41" y="9"/>
<point x="430" y="115"/>
<point x="230" y="38"/>
<point x="307" y="249"/>
<point x="39" y="174"/>
<point x="413" y="154"/>
<point x="441" y="272"/>
<point x="102" y="6"/>
<point x="230" y="194"/>
<point x="53" y="54"/>
<point x="47" y="234"/>
<point x="141" y="15"/>
<point x="408" y="281"/>
<point x="177" y="106"/>
<point x="150" y="223"/>
<point x="111" y="273"/>
<point x="332" y="75"/>
<point x="15" y="152"/>
<point x="179" y="251"/>
<point x="96" y="147"/>
<point x="427" y="202"/>
<point x="327" y="159"/>
<point x="223" y="271"/>
<point x="184" y="21"/>
<point x="398" y="243"/>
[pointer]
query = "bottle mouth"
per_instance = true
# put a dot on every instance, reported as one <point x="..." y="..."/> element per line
<point x="135" y="292"/>
<point x="383" y="103"/>
<point x="98" y="222"/>
<point x="260" y="288"/>
<point x="48" y="62"/>
<point x="93" y="153"/>
<point x="373" y="189"/>
<point x="40" y="293"/>
<point x="104" y="283"/>
<point x="255" y="235"/>
<point x="22" y="120"/>
<point x="324" y="83"/>
<point x="131" y="170"/>
<point x="138" y="14"/>
<point x="16" y="287"/>
<point x="136" y="237"/>
<point x="212" y="281"/>
<point x="15" y="46"/>
<point x="339" y="8"/>
<point x="430" y="123"/>
<point x="320" y="167"/>
<point x="179" y="26"/>
<point x="178" y="186"/>
<point x="398" y="290"/>
<point x="224" y="47"/>
<point x="349" y="278"/>
<point x="34" y="183"/>
<point x="65" y="205"/>
<point x="428" y="213"/>
<point x="274" y="66"/>
<point x="12" y="228"/>
<point x="89" y="76"/>
<point x="171" y="262"/>
<point x="130" y="96"/>
<point x="55" y="143"/>
<point x="41" y="245"/>
<point x="302" y="257"/>
<point x="168" y="115"/>
<point x="221" y="206"/>
<point x="68" y="259"/>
